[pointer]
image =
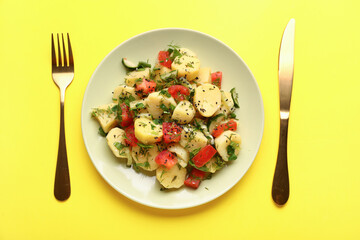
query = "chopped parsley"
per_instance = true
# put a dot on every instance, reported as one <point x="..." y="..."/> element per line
<point x="165" y="93"/>
<point x="144" y="145"/>
<point x="101" y="132"/>
<point x="119" y="145"/>
<point x="231" y="150"/>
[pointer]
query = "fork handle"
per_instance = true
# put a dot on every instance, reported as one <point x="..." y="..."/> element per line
<point x="62" y="179"/>
<point x="280" y="188"/>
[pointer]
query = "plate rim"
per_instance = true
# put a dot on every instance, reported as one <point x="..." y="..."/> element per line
<point x="183" y="206"/>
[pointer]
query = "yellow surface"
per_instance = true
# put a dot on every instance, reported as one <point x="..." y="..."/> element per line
<point x="324" y="158"/>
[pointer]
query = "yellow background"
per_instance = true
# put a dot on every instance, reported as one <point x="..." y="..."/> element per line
<point x="323" y="149"/>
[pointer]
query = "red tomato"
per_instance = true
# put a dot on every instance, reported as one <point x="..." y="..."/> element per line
<point x="126" y="119"/>
<point x="166" y="159"/>
<point x="164" y="59"/>
<point x="194" y="178"/>
<point x="172" y="132"/>
<point x="178" y="92"/>
<point x="230" y="125"/>
<point x="193" y="183"/>
<point x="145" y="87"/>
<point x="130" y="136"/>
<point x="204" y="155"/>
<point x="216" y="78"/>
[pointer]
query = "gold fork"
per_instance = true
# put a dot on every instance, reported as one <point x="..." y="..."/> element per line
<point x="62" y="74"/>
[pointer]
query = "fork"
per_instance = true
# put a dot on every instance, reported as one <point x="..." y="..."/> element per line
<point x="62" y="74"/>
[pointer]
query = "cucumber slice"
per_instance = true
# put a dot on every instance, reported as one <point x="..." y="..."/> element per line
<point x="129" y="64"/>
<point x="167" y="77"/>
<point x="213" y="119"/>
<point x="143" y="64"/>
<point x="235" y="96"/>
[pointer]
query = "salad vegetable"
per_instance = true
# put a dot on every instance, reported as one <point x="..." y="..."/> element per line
<point x="173" y="119"/>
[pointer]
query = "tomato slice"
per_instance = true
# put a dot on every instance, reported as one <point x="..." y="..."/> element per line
<point x="126" y="119"/>
<point x="145" y="87"/>
<point x="172" y="132"/>
<point x="204" y="155"/>
<point x="178" y="92"/>
<point x="166" y="159"/>
<point x="194" y="178"/>
<point x="193" y="183"/>
<point x="130" y="136"/>
<point x="164" y="59"/>
<point x="230" y="125"/>
<point x="216" y="78"/>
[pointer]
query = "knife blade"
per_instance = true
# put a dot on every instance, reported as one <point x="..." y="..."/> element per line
<point x="280" y="188"/>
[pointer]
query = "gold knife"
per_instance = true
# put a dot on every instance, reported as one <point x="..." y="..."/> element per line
<point x="280" y="188"/>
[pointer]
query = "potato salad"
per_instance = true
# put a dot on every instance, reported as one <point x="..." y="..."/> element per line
<point x="172" y="119"/>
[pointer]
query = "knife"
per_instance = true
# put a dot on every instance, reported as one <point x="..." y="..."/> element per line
<point x="280" y="188"/>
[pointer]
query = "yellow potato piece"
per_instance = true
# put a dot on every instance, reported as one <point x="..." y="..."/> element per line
<point x="224" y="140"/>
<point x="145" y="157"/>
<point x="192" y="139"/>
<point x="207" y="99"/>
<point x="116" y="141"/>
<point x="204" y="76"/>
<point x="171" y="178"/>
<point x="105" y="116"/>
<point x="131" y="78"/>
<point x="146" y="131"/>
<point x="155" y="100"/>
<point x="184" y="112"/>
<point x="186" y="66"/>
<point x="124" y="91"/>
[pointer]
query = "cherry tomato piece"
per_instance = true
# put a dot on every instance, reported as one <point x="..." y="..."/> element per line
<point x="204" y="155"/>
<point x="130" y="136"/>
<point x="164" y="59"/>
<point x="230" y="125"/>
<point x="216" y="78"/>
<point x="178" y="92"/>
<point x="171" y="132"/>
<point x="166" y="158"/>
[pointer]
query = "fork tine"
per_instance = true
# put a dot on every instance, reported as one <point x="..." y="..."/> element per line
<point x="71" y="59"/>
<point x="53" y="54"/>
<point x="59" y="51"/>
<point x="64" y="52"/>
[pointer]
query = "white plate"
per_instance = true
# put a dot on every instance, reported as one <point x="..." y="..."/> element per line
<point x="212" y="53"/>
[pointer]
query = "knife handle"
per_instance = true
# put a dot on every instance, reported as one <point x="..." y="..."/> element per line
<point x="280" y="188"/>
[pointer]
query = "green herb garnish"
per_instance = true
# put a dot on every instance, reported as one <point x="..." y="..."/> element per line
<point x="101" y="132"/>
<point x="144" y="145"/>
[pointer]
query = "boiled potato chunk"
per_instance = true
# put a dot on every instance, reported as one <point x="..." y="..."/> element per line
<point x="171" y="178"/>
<point x="146" y="131"/>
<point x="224" y="140"/>
<point x="154" y="102"/>
<point x="192" y="139"/>
<point x="186" y="66"/>
<point x="145" y="157"/>
<point x="124" y="91"/>
<point x="131" y="77"/>
<point x="204" y="76"/>
<point x="182" y="155"/>
<point x="227" y="100"/>
<point x="227" y="104"/>
<point x="207" y="99"/>
<point x="116" y="141"/>
<point x="162" y="70"/>
<point x="105" y="116"/>
<point x="184" y="112"/>
<point x="187" y="52"/>
<point x="214" y="164"/>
